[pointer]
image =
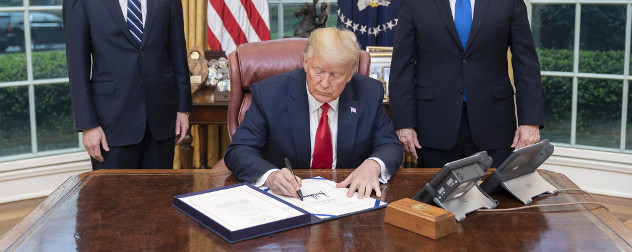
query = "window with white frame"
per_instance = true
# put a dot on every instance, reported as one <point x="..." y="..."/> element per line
<point x="35" y="109"/>
<point x="584" y="52"/>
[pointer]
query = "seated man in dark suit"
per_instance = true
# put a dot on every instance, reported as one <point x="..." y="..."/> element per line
<point x="285" y="119"/>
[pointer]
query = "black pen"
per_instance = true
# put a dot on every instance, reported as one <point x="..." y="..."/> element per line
<point x="289" y="167"/>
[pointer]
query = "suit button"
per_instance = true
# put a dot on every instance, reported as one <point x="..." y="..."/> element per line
<point x="141" y="80"/>
<point x="464" y="61"/>
<point x="459" y="92"/>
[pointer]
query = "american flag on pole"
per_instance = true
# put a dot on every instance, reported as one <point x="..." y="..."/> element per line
<point x="235" y="22"/>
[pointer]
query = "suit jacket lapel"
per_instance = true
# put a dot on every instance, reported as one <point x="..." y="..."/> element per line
<point x="347" y="126"/>
<point x="479" y="13"/>
<point x="446" y="14"/>
<point x="151" y="10"/>
<point x="298" y="113"/>
<point x="114" y="8"/>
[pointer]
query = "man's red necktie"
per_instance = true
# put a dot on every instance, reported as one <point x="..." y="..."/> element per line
<point x="323" y="153"/>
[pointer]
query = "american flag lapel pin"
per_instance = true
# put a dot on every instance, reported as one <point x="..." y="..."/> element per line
<point x="353" y="110"/>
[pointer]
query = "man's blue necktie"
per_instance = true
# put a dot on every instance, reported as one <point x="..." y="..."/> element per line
<point x="135" y="19"/>
<point x="463" y="20"/>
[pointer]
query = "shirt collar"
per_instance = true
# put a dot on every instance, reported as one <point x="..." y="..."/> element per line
<point x="314" y="105"/>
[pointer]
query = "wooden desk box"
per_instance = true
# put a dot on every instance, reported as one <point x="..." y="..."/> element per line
<point x="421" y="218"/>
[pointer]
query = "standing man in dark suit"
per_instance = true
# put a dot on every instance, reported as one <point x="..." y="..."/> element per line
<point x="450" y="92"/>
<point x="286" y="119"/>
<point x="129" y="80"/>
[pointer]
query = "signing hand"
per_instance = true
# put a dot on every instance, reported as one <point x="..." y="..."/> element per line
<point x="93" y="139"/>
<point x="182" y="125"/>
<point x="363" y="179"/>
<point x="408" y="138"/>
<point x="526" y="135"/>
<point x="282" y="182"/>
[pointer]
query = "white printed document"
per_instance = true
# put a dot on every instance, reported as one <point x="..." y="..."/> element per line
<point x="322" y="199"/>
<point x="241" y="207"/>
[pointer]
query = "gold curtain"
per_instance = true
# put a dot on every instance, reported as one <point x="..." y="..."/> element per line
<point x="194" y="15"/>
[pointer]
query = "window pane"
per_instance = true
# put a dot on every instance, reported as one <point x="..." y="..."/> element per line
<point x="55" y="124"/>
<point x="290" y="22"/>
<point x="553" y="28"/>
<point x="15" y="133"/>
<point x="599" y="112"/>
<point x="332" y="11"/>
<point x="44" y="2"/>
<point x="557" y="94"/>
<point x="628" y="139"/>
<point x="12" y="56"/>
<point x="602" y="39"/>
<point x="48" y="44"/>
<point x="274" y="20"/>
<point x="8" y="3"/>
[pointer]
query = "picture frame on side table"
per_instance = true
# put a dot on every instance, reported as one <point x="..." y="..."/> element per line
<point x="386" y="73"/>
<point x="380" y="50"/>
<point x="380" y="65"/>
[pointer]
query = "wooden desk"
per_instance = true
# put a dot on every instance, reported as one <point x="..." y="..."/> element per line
<point x="130" y="210"/>
<point x="206" y="111"/>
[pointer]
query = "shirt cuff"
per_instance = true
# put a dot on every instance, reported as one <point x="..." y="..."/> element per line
<point x="385" y="175"/>
<point x="262" y="180"/>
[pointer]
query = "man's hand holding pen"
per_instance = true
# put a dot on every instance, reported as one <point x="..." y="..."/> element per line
<point x="289" y="167"/>
<point x="283" y="182"/>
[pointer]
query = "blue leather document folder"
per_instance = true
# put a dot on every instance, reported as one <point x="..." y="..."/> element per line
<point x="242" y="211"/>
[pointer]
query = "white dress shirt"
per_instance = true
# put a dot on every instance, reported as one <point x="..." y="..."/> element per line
<point x="143" y="7"/>
<point x="453" y="3"/>
<point x="332" y="118"/>
<point x="315" y="111"/>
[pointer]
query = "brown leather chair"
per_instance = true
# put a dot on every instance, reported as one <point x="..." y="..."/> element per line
<point x="256" y="61"/>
